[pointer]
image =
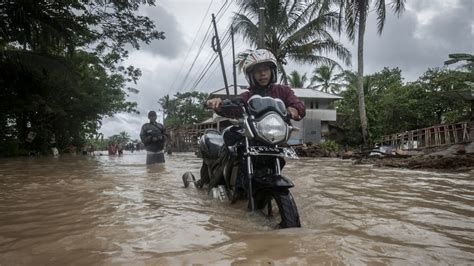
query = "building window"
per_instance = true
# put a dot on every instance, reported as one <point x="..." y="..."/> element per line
<point x="314" y="105"/>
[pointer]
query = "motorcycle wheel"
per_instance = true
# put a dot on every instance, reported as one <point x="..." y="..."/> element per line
<point x="282" y="206"/>
<point x="187" y="178"/>
<point x="204" y="173"/>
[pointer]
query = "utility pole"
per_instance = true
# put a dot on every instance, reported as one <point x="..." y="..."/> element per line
<point x="233" y="59"/>
<point x="216" y="46"/>
<point x="261" y="24"/>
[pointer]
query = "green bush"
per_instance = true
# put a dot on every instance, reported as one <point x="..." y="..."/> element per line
<point x="329" y="145"/>
<point x="10" y="147"/>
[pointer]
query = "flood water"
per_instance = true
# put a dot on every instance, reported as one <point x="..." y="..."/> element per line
<point x="89" y="210"/>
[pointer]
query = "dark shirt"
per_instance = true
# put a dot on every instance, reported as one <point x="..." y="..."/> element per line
<point x="150" y="130"/>
<point x="277" y="91"/>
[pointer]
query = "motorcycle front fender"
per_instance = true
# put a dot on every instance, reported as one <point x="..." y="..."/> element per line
<point x="272" y="182"/>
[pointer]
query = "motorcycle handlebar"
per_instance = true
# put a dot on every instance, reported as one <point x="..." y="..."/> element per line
<point x="228" y="108"/>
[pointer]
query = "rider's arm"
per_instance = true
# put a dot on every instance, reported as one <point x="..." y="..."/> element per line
<point x="293" y="102"/>
<point x="213" y="103"/>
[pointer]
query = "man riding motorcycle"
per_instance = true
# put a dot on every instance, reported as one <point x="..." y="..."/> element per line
<point x="260" y="70"/>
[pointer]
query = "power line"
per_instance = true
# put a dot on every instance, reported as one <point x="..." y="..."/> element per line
<point x="212" y="58"/>
<point x="203" y="74"/>
<point x="192" y="44"/>
<point x="213" y="71"/>
<point x="196" y="57"/>
<point x="227" y="2"/>
<point x="225" y="10"/>
<point x="212" y="75"/>
<point x="222" y="7"/>
<point x="206" y="68"/>
<point x="206" y="81"/>
<point x="208" y="59"/>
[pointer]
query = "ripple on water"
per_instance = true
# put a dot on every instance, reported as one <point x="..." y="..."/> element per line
<point x="105" y="209"/>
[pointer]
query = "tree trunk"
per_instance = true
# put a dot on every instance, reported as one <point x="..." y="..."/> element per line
<point x="283" y="74"/>
<point x="472" y="111"/>
<point x="261" y="24"/>
<point x="360" y="73"/>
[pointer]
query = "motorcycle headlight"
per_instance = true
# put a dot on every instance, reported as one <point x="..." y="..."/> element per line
<point x="272" y="128"/>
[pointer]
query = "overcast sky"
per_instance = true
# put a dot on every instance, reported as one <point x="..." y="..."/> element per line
<point x="421" y="38"/>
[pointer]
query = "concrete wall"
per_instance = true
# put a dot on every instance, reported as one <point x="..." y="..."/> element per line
<point x="311" y="128"/>
<point x="317" y="104"/>
<point x="321" y="114"/>
<point x="315" y="123"/>
<point x="297" y="136"/>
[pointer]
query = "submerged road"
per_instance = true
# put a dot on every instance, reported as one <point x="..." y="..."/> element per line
<point x="115" y="210"/>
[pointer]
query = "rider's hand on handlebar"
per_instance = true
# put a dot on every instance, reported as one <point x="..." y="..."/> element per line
<point x="214" y="103"/>
<point x="294" y="113"/>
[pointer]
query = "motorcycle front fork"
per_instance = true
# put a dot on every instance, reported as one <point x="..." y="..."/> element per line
<point x="250" y="176"/>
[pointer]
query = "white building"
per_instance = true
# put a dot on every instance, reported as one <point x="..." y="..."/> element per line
<point x="319" y="112"/>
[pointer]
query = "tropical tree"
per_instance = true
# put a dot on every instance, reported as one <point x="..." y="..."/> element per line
<point x="122" y="138"/>
<point x="296" y="80"/>
<point x="393" y="106"/>
<point x="326" y="80"/>
<point x="443" y="86"/>
<point x="184" y="109"/>
<point x="354" y="13"/>
<point x="62" y="68"/>
<point x="461" y="57"/>
<point x="468" y="67"/>
<point x="60" y="27"/>
<point x="386" y="105"/>
<point x="297" y="30"/>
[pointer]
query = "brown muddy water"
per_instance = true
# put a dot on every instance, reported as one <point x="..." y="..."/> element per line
<point x="87" y="210"/>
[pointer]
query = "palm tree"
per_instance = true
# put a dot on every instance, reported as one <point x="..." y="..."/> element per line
<point x="461" y="57"/>
<point x="326" y="80"/>
<point x="355" y="14"/>
<point x="296" y="80"/>
<point x="296" y="29"/>
<point x="167" y="105"/>
<point x="121" y="138"/>
<point x="350" y="79"/>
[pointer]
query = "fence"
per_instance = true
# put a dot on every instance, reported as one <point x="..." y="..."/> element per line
<point x="185" y="138"/>
<point x="434" y="136"/>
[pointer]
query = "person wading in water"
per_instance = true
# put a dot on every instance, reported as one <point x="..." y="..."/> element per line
<point x="153" y="136"/>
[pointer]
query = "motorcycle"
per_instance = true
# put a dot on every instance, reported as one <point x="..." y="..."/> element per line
<point x="245" y="160"/>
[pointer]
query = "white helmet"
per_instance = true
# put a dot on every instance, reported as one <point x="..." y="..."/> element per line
<point x="249" y="59"/>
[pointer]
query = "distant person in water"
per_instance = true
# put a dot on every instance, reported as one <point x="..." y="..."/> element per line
<point x="120" y="149"/>
<point x="153" y="136"/>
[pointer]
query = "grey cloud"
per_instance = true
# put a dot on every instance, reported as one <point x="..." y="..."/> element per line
<point x="452" y="31"/>
<point x="396" y="47"/>
<point x="130" y="123"/>
<point x="167" y="22"/>
<point x="424" y="4"/>
<point x="404" y="43"/>
<point x="415" y="47"/>
<point x="153" y="86"/>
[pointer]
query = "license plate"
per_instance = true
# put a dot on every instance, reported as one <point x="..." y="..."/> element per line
<point x="287" y="152"/>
